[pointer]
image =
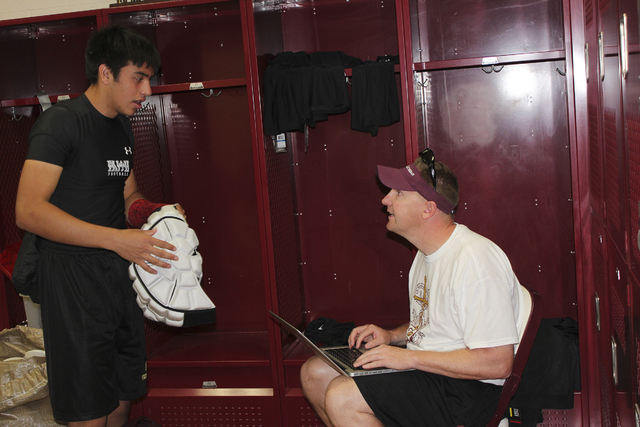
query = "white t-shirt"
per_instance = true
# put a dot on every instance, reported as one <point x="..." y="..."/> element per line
<point x="464" y="295"/>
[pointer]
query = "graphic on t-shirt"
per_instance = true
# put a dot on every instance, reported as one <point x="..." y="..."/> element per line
<point x="118" y="167"/>
<point x="419" y="319"/>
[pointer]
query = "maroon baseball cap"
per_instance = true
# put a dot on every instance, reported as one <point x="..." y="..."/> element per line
<point x="408" y="178"/>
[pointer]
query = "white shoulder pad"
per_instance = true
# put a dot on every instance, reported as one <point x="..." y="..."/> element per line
<point x="174" y="295"/>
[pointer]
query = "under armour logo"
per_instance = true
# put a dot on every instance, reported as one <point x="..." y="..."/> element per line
<point x="128" y="150"/>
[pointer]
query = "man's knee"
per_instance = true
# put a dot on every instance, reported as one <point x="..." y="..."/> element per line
<point x="315" y="373"/>
<point x="341" y="394"/>
<point x="308" y="370"/>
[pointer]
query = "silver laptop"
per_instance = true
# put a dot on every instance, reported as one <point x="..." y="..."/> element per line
<point x="340" y="358"/>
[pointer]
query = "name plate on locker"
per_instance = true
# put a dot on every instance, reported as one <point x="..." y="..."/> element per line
<point x="490" y="60"/>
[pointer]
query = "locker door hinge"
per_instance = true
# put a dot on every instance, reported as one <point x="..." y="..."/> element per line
<point x="586" y="61"/>
<point x="624" y="46"/>
<point x="597" y="300"/>
<point x="614" y="360"/>
<point x="601" y="55"/>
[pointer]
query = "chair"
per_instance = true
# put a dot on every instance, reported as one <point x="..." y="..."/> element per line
<point x="522" y="354"/>
<point x="520" y="360"/>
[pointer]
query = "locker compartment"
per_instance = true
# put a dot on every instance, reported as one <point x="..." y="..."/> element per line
<point x="361" y="28"/>
<point x="621" y="338"/>
<point x="614" y="152"/>
<point x="207" y="163"/>
<point x="226" y="361"/>
<point x="363" y="276"/>
<point x="213" y="179"/>
<point x="594" y="105"/>
<point x="635" y="367"/>
<point x="15" y="123"/>
<point x="34" y="49"/>
<point x="458" y="29"/>
<point x="197" y="42"/>
<point x="20" y="76"/>
<point x="323" y="194"/>
<point x="632" y="152"/>
<point x="505" y="133"/>
<point x="335" y="200"/>
<point x="602" y="322"/>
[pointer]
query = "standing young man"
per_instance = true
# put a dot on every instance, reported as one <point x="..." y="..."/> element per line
<point x="76" y="189"/>
<point x="465" y="318"/>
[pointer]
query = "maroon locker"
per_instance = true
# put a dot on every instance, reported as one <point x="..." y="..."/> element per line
<point x="31" y="48"/>
<point x="547" y="160"/>
<point x="205" y="106"/>
<point x="619" y="70"/>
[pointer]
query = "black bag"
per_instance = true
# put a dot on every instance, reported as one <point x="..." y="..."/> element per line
<point x="551" y="375"/>
<point x="326" y="331"/>
<point x="24" y="272"/>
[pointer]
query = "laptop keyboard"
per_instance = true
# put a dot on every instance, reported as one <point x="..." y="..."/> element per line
<point x="346" y="355"/>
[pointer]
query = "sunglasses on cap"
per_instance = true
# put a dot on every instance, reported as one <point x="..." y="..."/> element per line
<point x="429" y="159"/>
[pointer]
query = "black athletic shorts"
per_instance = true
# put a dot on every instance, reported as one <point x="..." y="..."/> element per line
<point x="93" y="331"/>
<point x="421" y="399"/>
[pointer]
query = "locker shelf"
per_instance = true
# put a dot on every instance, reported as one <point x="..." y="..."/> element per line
<point x="156" y="90"/>
<point x="487" y="61"/>
<point x="249" y="348"/>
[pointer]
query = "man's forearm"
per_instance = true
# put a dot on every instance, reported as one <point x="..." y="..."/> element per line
<point x="52" y="223"/>
<point x="477" y="364"/>
<point x="399" y="335"/>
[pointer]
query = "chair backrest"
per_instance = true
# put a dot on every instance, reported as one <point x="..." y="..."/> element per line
<point x="524" y="348"/>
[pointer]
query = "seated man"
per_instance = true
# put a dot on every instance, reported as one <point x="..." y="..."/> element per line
<point x="465" y="320"/>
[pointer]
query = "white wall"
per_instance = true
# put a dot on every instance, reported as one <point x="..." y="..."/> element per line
<point x="13" y="9"/>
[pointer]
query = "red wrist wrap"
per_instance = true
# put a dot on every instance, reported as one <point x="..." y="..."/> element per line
<point x="140" y="210"/>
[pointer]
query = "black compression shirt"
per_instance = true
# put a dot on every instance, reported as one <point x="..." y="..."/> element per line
<point x="96" y="154"/>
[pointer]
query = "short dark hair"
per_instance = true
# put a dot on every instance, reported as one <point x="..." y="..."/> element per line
<point x="117" y="46"/>
<point x="446" y="180"/>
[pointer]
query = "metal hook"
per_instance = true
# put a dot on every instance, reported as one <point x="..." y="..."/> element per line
<point x="491" y="68"/>
<point x="562" y="73"/>
<point x="13" y="114"/>
<point x="211" y="94"/>
<point x="423" y="84"/>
